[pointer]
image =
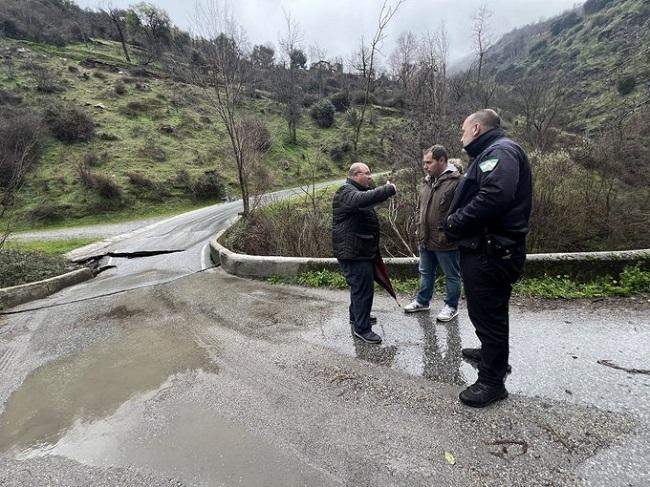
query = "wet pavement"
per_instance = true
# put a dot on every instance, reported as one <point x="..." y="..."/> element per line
<point x="209" y="379"/>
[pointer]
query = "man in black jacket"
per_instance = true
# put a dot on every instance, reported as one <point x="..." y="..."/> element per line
<point x="488" y="219"/>
<point x="355" y="240"/>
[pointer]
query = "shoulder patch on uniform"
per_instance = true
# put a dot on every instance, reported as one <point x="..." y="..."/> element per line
<point x="488" y="164"/>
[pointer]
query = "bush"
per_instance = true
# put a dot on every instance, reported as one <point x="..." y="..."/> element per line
<point x="339" y="151"/>
<point x="48" y="212"/>
<point x="341" y="101"/>
<point x="538" y="46"/>
<point x="323" y="113"/>
<point x="46" y="81"/>
<point x="104" y="185"/>
<point x="69" y="123"/>
<point x="359" y="97"/>
<point x="256" y="134"/>
<point x="565" y="22"/>
<point x="20" y="148"/>
<point x="9" y="98"/>
<point x="92" y="159"/>
<point x="309" y="99"/>
<point x="626" y="85"/>
<point x="208" y="185"/>
<point x="120" y="87"/>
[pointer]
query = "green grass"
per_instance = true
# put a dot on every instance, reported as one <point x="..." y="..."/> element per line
<point x="632" y="281"/>
<point x="198" y="144"/>
<point x="61" y="246"/>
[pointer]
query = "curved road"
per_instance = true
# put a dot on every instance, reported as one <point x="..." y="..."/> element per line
<point x="163" y="371"/>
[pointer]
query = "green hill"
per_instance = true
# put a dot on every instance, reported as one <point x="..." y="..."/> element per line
<point x="155" y="145"/>
<point x="598" y="55"/>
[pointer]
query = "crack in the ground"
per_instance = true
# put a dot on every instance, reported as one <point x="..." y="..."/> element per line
<point x="128" y="255"/>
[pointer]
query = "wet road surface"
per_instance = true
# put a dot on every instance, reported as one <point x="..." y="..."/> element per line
<point x="163" y="372"/>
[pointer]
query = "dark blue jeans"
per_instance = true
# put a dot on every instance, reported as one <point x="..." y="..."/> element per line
<point x="449" y="261"/>
<point x="360" y="277"/>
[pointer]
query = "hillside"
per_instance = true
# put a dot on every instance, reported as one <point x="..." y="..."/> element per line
<point x="155" y="144"/>
<point x="598" y="55"/>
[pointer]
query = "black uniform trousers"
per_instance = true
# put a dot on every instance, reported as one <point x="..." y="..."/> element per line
<point x="360" y="276"/>
<point x="488" y="281"/>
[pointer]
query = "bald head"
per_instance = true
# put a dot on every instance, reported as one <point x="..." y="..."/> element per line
<point x="488" y="119"/>
<point x="478" y="123"/>
<point x="360" y="174"/>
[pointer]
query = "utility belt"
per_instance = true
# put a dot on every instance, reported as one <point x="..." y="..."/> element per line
<point x="501" y="246"/>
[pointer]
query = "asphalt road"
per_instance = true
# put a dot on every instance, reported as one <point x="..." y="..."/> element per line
<point x="163" y="371"/>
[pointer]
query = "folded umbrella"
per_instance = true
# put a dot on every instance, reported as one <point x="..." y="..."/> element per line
<point x="382" y="278"/>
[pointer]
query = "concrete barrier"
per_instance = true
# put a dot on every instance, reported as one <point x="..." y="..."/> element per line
<point x="15" y="295"/>
<point x="581" y="266"/>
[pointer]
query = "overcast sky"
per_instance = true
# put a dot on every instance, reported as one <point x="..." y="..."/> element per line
<point x="337" y="25"/>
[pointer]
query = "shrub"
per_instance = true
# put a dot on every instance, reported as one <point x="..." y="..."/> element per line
<point x="359" y="96"/>
<point x="353" y="117"/>
<point x="626" y="84"/>
<point x="538" y="46"/>
<point x="92" y="159"/>
<point x="48" y="212"/>
<point x="120" y="87"/>
<point x="565" y="22"/>
<point x="69" y="123"/>
<point x="208" y="185"/>
<point x="46" y="81"/>
<point x="142" y="181"/>
<point x="152" y="151"/>
<point x="309" y="99"/>
<point x="341" y="101"/>
<point x="9" y="98"/>
<point x="339" y="151"/>
<point x="256" y="134"/>
<point x="323" y="113"/>
<point x="104" y="185"/>
<point x="20" y="148"/>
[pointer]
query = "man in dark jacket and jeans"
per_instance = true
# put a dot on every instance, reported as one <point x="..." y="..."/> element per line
<point x="355" y="240"/>
<point x="488" y="219"/>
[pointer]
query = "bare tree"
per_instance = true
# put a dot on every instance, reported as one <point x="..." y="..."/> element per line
<point x="118" y="17"/>
<point x="318" y="63"/>
<point x="288" y="89"/>
<point x="20" y="145"/>
<point x="223" y="75"/>
<point x="540" y="101"/>
<point x="402" y="59"/>
<point x="483" y="39"/>
<point x="388" y="10"/>
<point x="153" y="25"/>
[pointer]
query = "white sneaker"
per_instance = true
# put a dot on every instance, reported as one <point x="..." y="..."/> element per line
<point x="415" y="307"/>
<point x="447" y="313"/>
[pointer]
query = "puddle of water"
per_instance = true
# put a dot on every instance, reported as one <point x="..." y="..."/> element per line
<point x="416" y="345"/>
<point x="94" y="383"/>
<point x="197" y="446"/>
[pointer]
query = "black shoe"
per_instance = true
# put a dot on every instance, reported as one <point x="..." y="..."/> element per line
<point x="474" y="354"/>
<point x="373" y="320"/>
<point x="368" y="337"/>
<point x="479" y="395"/>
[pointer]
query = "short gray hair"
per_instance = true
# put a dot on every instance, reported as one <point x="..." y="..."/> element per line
<point x="487" y="118"/>
<point x="356" y="168"/>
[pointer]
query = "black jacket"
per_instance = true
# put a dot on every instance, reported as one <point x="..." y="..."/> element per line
<point x="495" y="195"/>
<point x="355" y="226"/>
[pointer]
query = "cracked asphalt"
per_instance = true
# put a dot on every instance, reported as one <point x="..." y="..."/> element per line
<point x="163" y="371"/>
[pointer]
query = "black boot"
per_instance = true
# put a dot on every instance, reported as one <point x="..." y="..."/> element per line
<point x="474" y="355"/>
<point x="479" y="395"/>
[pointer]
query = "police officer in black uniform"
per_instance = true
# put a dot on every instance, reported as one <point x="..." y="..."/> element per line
<point x="488" y="219"/>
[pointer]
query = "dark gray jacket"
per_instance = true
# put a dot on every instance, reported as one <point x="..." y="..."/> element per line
<point x="355" y="226"/>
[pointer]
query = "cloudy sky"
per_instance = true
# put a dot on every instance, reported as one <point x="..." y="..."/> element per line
<point x="337" y="25"/>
